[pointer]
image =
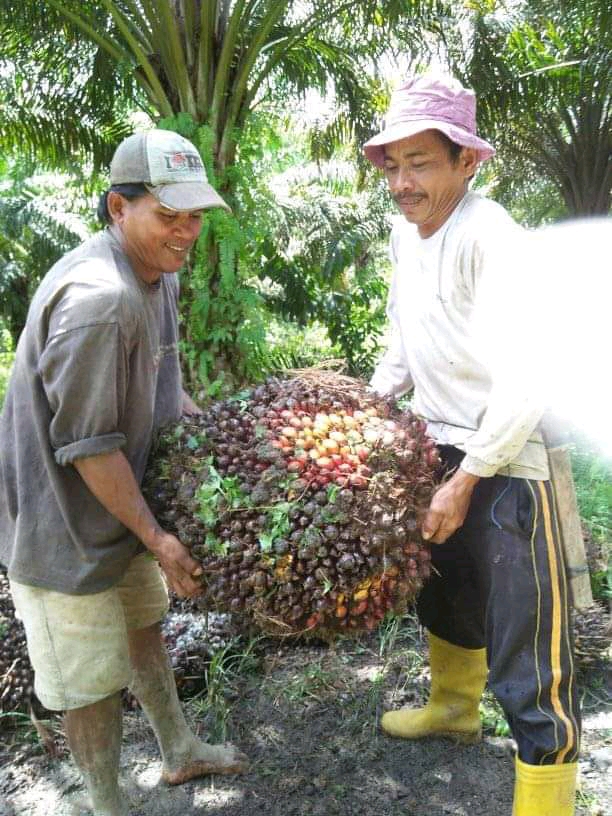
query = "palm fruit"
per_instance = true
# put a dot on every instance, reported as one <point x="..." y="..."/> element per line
<point x="16" y="673"/>
<point x="302" y="499"/>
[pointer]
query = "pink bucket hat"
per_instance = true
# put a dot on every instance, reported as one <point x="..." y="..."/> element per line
<point x="429" y="102"/>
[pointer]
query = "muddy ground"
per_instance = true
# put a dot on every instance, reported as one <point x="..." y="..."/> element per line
<point x="307" y="715"/>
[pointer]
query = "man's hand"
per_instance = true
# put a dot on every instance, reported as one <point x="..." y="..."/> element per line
<point x="189" y="407"/>
<point x="449" y="507"/>
<point x="179" y="567"/>
<point x="111" y="479"/>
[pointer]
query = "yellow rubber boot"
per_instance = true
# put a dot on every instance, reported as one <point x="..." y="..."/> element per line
<point x="458" y="678"/>
<point x="544" y="790"/>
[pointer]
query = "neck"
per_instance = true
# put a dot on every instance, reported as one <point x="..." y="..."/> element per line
<point x="146" y="275"/>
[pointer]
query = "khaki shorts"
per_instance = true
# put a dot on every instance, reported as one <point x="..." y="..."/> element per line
<point x="78" y="644"/>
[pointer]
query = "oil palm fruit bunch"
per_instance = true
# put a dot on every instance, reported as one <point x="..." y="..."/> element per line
<point x="16" y="673"/>
<point x="302" y="499"/>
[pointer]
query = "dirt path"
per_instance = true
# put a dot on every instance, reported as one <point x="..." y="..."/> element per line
<point x="308" y="718"/>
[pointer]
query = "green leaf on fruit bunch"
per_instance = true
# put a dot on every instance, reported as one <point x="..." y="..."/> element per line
<point x="260" y="431"/>
<point x="215" y="545"/>
<point x="242" y="398"/>
<point x="327" y="585"/>
<point x="286" y="482"/>
<point x="233" y="497"/>
<point x="278" y="525"/>
<point x="266" y="540"/>
<point x="216" y="491"/>
<point x="334" y="516"/>
<point x="279" y="517"/>
<point x="332" y="493"/>
<point x="194" y="441"/>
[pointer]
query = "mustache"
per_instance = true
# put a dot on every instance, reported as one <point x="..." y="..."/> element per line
<point x="399" y="198"/>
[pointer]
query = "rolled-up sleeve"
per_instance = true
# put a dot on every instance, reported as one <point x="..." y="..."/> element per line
<point x="84" y="372"/>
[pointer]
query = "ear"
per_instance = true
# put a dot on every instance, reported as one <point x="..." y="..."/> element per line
<point x="469" y="161"/>
<point x="116" y="205"/>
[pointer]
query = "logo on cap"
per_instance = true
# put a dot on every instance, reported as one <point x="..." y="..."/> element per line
<point x="183" y="161"/>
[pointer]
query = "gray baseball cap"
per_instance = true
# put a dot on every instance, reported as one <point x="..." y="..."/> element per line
<point x="169" y="166"/>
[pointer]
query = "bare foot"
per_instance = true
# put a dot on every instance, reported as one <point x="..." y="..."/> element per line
<point x="205" y="759"/>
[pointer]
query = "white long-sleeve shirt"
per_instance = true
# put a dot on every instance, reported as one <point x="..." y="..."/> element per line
<point x="452" y="340"/>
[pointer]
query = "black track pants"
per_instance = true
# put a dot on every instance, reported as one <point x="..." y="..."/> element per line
<point x="501" y="584"/>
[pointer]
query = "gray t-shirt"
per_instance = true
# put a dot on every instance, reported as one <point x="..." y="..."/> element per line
<point x="96" y="370"/>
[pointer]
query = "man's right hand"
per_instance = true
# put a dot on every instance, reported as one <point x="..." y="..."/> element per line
<point x="181" y="570"/>
<point x="110" y="478"/>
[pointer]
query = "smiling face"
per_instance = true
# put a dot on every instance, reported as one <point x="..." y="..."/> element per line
<point x="425" y="181"/>
<point x="155" y="239"/>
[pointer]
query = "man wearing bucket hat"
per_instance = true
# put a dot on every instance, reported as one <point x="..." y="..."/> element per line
<point x="96" y="373"/>
<point x="498" y="594"/>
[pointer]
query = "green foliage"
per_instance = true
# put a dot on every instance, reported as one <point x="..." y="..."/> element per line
<point x="492" y="716"/>
<point x="64" y="103"/>
<point x="323" y="254"/>
<point x="541" y="72"/>
<point x="6" y="360"/>
<point x="593" y="480"/>
<point x="41" y="218"/>
<point x="289" y="345"/>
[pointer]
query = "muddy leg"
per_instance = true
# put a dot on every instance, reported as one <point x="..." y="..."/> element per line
<point x="184" y="755"/>
<point x="94" y="737"/>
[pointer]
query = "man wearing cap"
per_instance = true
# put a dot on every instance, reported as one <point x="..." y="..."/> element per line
<point x="498" y="595"/>
<point x="96" y="372"/>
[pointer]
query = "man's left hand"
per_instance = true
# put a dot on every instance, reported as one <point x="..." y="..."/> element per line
<point x="190" y="408"/>
<point x="449" y="507"/>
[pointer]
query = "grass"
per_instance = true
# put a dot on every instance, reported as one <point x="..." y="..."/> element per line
<point x="588" y="803"/>
<point x="311" y="683"/>
<point x="492" y="716"/>
<point x="19" y="729"/>
<point x="228" y="667"/>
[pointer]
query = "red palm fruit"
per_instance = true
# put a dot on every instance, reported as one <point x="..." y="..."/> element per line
<point x="362" y="452"/>
<point x="313" y="620"/>
<point x="360" y="608"/>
